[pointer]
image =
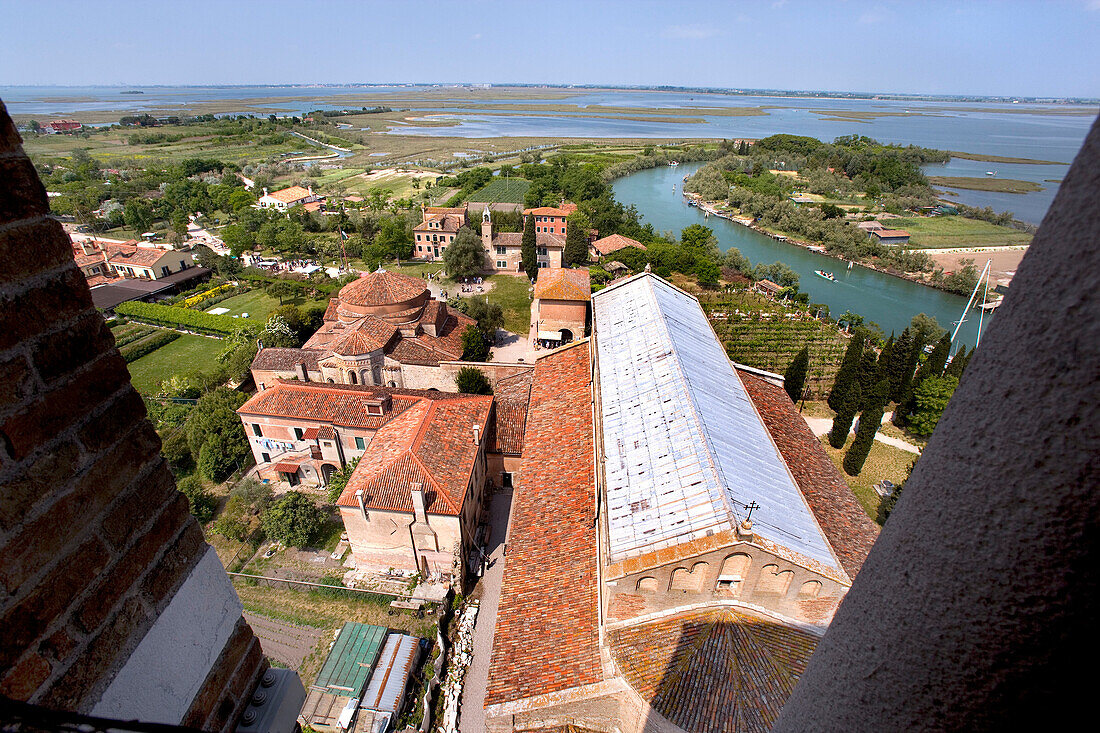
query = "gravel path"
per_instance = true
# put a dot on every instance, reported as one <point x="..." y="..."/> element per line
<point x="286" y="642"/>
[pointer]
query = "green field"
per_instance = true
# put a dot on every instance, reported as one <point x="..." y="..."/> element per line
<point x="883" y="462"/>
<point x="956" y="231"/>
<point x="999" y="185"/>
<point x="259" y="305"/>
<point x="186" y="354"/>
<point x="502" y="190"/>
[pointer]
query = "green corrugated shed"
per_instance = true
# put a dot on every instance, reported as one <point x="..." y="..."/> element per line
<point x="348" y="666"/>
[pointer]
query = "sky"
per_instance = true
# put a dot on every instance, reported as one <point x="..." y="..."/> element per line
<point x="1039" y="48"/>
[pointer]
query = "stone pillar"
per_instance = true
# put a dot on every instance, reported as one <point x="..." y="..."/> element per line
<point x="977" y="607"/>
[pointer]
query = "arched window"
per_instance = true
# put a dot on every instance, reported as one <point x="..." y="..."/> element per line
<point x="689" y="581"/>
<point x="364" y="377"/>
<point x="731" y="578"/>
<point x="647" y="585"/>
<point x="774" y="581"/>
<point x="809" y="589"/>
<point x="352" y="378"/>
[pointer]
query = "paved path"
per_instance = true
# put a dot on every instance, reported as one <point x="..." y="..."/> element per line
<point x="822" y="425"/>
<point x="472" y="711"/>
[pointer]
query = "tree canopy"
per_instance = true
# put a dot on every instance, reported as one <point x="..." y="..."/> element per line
<point x="293" y="519"/>
<point x="471" y="380"/>
<point x="465" y="256"/>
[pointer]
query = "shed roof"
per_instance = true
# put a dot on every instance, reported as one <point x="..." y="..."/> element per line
<point x="685" y="449"/>
<point x="561" y="283"/>
<point x="348" y="665"/>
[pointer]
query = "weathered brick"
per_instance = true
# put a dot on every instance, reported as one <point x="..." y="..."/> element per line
<point x="45" y="238"/>
<point x="118" y="580"/>
<point x="180" y="558"/>
<point x="213" y="687"/>
<point x="22" y="680"/>
<point x="59" y="354"/>
<point x="48" y="474"/>
<point x="16" y="381"/>
<point x="29" y="619"/>
<point x="60" y="298"/>
<point x="116" y="641"/>
<point x="239" y="689"/>
<point x="142" y="499"/>
<point x="39" y="542"/>
<point x="22" y="194"/>
<point x="9" y="136"/>
<point x="55" y="411"/>
<point x="60" y="644"/>
<point x="116" y="420"/>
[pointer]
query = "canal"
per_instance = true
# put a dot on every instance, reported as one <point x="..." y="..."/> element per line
<point x="889" y="301"/>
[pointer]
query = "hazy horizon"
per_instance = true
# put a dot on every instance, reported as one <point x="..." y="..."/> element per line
<point x="1008" y="49"/>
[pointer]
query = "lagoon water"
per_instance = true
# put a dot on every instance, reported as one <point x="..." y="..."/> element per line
<point x="1042" y="132"/>
<point x="888" y="301"/>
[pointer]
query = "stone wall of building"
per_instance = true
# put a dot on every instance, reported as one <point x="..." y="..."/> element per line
<point x="743" y="572"/>
<point x="101" y="559"/>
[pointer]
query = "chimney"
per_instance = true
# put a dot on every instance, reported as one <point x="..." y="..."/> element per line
<point x="300" y="368"/>
<point x="310" y="189"/>
<point x="420" y="514"/>
<point x="265" y="190"/>
<point x="362" y="506"/>
<point x="477" y="434"/>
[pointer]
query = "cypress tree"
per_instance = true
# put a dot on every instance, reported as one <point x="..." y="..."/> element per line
<point x="932" y="367"/>
<point x="901" y="366"/>
<point x="868" y="375"/>
<point x="869" y="423"/>
<point x="576" y="240"/>
<point x="845" y="414"/>
<point x="884" y="359"/>
<point x="528" y="254"/>
<point x="849" y="372"/>
<point x="794" y="379"/>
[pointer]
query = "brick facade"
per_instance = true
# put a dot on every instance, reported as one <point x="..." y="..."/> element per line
<point x="95" y="538"/>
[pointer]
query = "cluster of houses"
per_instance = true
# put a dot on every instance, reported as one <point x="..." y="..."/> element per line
<point x="716" y="517"/>
<point x="120" y="271"/>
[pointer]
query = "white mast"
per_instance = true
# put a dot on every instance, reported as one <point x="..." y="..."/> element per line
<point x="985" y="299"/>
<point x="962" y="319"/>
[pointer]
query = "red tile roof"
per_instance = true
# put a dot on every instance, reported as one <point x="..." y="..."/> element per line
<point x="311" y="433"/>
<point x="880" y="233"/>
<point x="382" y="288"/>
<point x="720" y="670"/>
<point x="547" y="637"/>
<point x="847" y="527"/>
<point x="512" y="395"/>
<point x="561" y="283"/>
<point x="370" y="334"/>
<point x="285" y="360"/>
<point x="431" y="443"/>
<point x="125" y="254"/>
<point x="614" y="243"/>
<point x="290" y="195"/>
<point x="287" y="467"/>
<point x="341" y="405"/>
<point x="565" y="210"/>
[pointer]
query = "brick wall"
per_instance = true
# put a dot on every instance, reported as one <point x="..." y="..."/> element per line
<point x="94" y="537"/>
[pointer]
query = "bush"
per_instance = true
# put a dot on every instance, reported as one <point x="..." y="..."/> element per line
<point x="471" y="380"/>
<point x="475" y="347"/>
<point x="135" y="352"/>
<point x="339" y="480"/>
<point x="183" y="318"/>
<point x="293" y="519"/>
<point x="201" y="501"/>
<point x="241" y="516"/>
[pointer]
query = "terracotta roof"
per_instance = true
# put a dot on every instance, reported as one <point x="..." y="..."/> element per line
<point x="546" y="637"/>
<point x="325" y="432"/>
<point x="431" y="443"/>
<point x="285" y="360"/>
<point x="287" y="467"/>
<point x="382" y="288"/>
<point x="565" y="210"/>
<point x="342" y="405"/>
<point x="313" y="206"/>
<point x="847" y="527"/>
<point x="447" y="223"/>
<point x="889" y="233"/>
<point x="614" y="243"/>
<point x="290" y="195"/>
<point x="714" y="670"/>
<point x="310" y="433"/>
<point x="560" y="283"/>
<point x="125" y="254"/>
<point x="369" y="334"/>
<point x="512" y="396"/>
<point x="769" y="286"/>
<point x="433" y="210"/>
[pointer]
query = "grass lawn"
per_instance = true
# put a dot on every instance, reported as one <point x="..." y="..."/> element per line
<point x="956" y="231"/>
<point x="186" y="354"/>
<point x="883" y="462"/>
<point x="1000" y="185"/>
<point x="259" y="305"/>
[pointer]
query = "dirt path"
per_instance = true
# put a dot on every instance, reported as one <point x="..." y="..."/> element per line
<point x="286" y="642"/>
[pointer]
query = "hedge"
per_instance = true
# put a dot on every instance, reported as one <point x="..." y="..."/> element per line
<point x="135" y="352"/>
<point x="185" y="318"/>
<point x="206" y="295"/>
<point x="257" y="276"/>
<point x="137" y="334"/>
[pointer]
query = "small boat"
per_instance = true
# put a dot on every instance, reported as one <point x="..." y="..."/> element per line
<point x="991" y="173"/>
<point x="692" y="202"/>
<point x="826" y="275"/>
<point x="674" y="162"/>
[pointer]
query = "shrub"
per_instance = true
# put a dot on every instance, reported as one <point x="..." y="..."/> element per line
<point x="475" y="347"/>
<point x="471" y="380"/>
<point x="201" y="501"/>
<point x="339" y="480"/>
<point x="148" y="346"/>
<point x="294" y="519"/>
<point x="183" y="318"/>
